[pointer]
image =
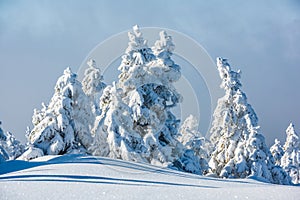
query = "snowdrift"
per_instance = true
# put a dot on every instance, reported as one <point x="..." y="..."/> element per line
<point x="90" y="177"/>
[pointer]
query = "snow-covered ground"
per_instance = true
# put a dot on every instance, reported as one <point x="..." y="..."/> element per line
<point x="87" y="177"/>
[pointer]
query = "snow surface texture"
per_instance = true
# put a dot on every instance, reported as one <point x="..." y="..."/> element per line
<point x="86" y="177"/>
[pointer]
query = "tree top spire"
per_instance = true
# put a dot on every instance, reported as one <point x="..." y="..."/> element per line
<point x="92" y="63"/>
<point x="136" y="40"/>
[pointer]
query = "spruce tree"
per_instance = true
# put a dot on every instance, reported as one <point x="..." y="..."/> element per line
<point x="14" y="146"/>
<point x="136" y="116"/>
<point x="3" y="154"/>
<point x="240" y="148"/>
<point x="290" y="160"/>
<point x="11" y="148"/>
<point x="196" y="148"/>
<point x="93" y="85"/>
<point x="277" y="151"/>
<point x="63" y="125"/>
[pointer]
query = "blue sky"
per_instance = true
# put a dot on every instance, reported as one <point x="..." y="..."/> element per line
<point x="38" y="39"/>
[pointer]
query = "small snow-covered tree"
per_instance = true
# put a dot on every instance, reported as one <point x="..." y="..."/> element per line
<point x="2" y="134"/>
<point x="258" y="158"/>
<point x="14" y="146"/>
<point x="196" y="153"/>
<point x="3" y="154"/>
<point x="277" y="152"/>
<point x="63" y="125"/>
<point x="290" y="160"/>
<point x="240" y="148"/>
<point x="136" y="116"/>
<point x="11" y="147"/>
<point x="93" y="85"/>
<point x="188" y="130"/>
<point x="30" y="153"/>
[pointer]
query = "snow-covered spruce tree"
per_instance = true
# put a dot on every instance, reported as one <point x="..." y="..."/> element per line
<point x="93" y="85"/>
<point x="196" y="153"/>
<point x="136" y="118"/>
<point x="114" y="133"/>
<point x="2" y="134"/>
<point x="10" y="146"/>
<point x="240" y="148"/>
<point x="3" y="154"/>
<point x="290" y="160"/>
<point x="277" y="152"/>
<point x="62" y="126"/>
<point x="14" y="146"/>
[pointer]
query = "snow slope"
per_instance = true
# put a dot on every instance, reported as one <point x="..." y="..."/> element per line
<point x="88" y="177"/>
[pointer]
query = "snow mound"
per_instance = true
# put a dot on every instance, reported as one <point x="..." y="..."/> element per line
<point x="90" y="177"/>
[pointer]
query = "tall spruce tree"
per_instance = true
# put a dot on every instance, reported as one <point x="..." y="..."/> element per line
<point x="240" y="148"/>
<point x="136" y="118"/>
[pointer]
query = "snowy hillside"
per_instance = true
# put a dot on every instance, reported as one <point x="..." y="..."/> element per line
<point x="88" y="177"/>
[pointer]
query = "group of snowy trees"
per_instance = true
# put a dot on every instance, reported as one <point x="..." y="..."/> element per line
<point x="288" y="156"/>
<point x="132" y="119"/>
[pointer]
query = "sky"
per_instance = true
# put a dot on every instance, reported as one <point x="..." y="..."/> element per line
<point x="39" y="39"/>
